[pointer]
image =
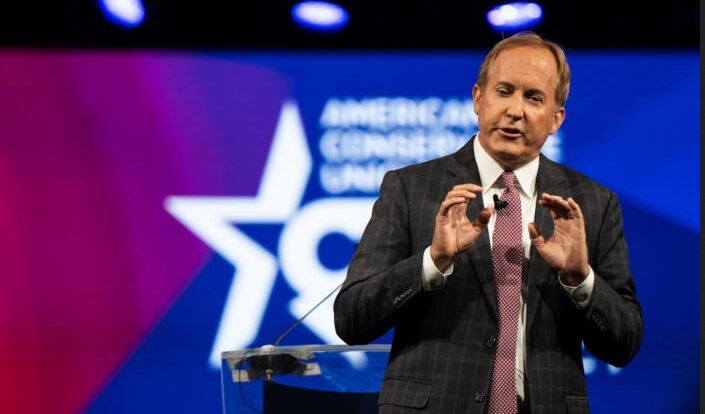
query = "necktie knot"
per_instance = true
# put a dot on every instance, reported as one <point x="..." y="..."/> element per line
<point x="509" y="179"/>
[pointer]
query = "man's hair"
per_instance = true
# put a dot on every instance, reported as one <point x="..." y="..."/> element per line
<point x="530" y="39"/>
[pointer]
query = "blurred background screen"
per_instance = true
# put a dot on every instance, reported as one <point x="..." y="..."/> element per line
<point x="184" y="178"/>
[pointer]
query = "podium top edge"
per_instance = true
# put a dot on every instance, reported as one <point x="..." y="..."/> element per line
<point x="304" y="348"/>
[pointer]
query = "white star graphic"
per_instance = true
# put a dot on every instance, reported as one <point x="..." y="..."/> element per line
<point x="210" y="218"/>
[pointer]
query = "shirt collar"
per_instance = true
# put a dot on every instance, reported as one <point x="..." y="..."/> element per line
<point x="490" y="171"/>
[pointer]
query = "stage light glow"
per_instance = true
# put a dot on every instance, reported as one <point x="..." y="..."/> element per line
<point x="514" y="16"/>
<point x="319" y="16"/>
<point x="126" y="13"/>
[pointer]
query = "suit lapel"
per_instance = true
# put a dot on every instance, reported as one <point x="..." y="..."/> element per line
<point x="550" y="179"/>
<point x="463" y="168"/>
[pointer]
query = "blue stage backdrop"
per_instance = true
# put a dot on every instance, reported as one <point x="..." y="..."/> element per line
<point x="208" y="200"/>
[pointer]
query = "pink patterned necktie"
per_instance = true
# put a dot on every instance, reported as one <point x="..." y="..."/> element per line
<point x="507" y="257"/>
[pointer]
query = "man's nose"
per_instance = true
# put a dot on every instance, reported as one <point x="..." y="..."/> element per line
<point x="515" y="108"/>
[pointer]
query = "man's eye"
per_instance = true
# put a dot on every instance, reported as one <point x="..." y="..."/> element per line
<point x="535" y="98"/>
<point x="503" y="91"/>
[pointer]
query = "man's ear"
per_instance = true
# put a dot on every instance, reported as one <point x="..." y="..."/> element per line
<point x="476" y="95"/>
<point x="558" y="118"/>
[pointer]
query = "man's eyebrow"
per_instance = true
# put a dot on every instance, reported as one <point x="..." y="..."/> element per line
<point x="535" y="91"/>
<point x="532" y="91"/>
<point x="505" y="83"/>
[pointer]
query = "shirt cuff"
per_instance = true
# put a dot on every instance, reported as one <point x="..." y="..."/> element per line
<point x="431" y="277"/>
<point x="581" y="294"/>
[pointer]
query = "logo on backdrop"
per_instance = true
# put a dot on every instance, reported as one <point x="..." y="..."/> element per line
<point x="363" y="139"/>
<point x="360" y="140"/>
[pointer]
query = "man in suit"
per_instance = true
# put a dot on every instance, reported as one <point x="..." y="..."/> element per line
<point x="495" y="264"/>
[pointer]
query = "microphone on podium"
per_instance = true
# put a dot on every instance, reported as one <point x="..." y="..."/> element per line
<point x="267" y="364"/>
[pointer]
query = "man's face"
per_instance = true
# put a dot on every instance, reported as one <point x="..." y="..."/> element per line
<point x="517" y="109"/>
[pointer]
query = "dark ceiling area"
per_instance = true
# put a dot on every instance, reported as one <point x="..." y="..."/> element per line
<point x="374" y="25"/>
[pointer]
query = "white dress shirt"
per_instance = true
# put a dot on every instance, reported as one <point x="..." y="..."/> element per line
<point x="490" y="172"/>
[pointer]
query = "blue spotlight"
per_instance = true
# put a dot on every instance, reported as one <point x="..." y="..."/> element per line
<point x="319" y="16"/>
<point x="126" y="13"/>
<point x="514" y="16"/>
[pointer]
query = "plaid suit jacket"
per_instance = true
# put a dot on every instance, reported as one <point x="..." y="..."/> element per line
<point x="444" y="341"/>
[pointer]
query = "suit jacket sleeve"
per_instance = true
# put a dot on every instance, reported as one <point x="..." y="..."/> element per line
<point x="613" y="324"/>
<point x="384" y="274"/>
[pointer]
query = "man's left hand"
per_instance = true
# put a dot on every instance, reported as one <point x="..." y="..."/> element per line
<point x="566" y="249"/>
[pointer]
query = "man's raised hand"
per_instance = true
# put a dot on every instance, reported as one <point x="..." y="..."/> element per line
<point x="454" y="232"/>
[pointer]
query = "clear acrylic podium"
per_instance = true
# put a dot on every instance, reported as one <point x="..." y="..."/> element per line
<point x="303" y="379"/>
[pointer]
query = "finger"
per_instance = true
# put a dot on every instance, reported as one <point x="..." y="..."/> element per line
<point x="575" y="207"/>
<point x="556" y="210"/>
<point x="459" y="213"/>
<point x="535" y="236"/>
<point x="556" y="204"/>
<point x="448" y="203"/>
<point x="557" y="200"/>
<point x="474" y="188"/>
<point x="483" y="218"/>
<point x="452" y="215"/>
<point x="462" y="193"/>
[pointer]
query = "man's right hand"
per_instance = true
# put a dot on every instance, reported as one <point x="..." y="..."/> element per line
<point x="454" y="232"/>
